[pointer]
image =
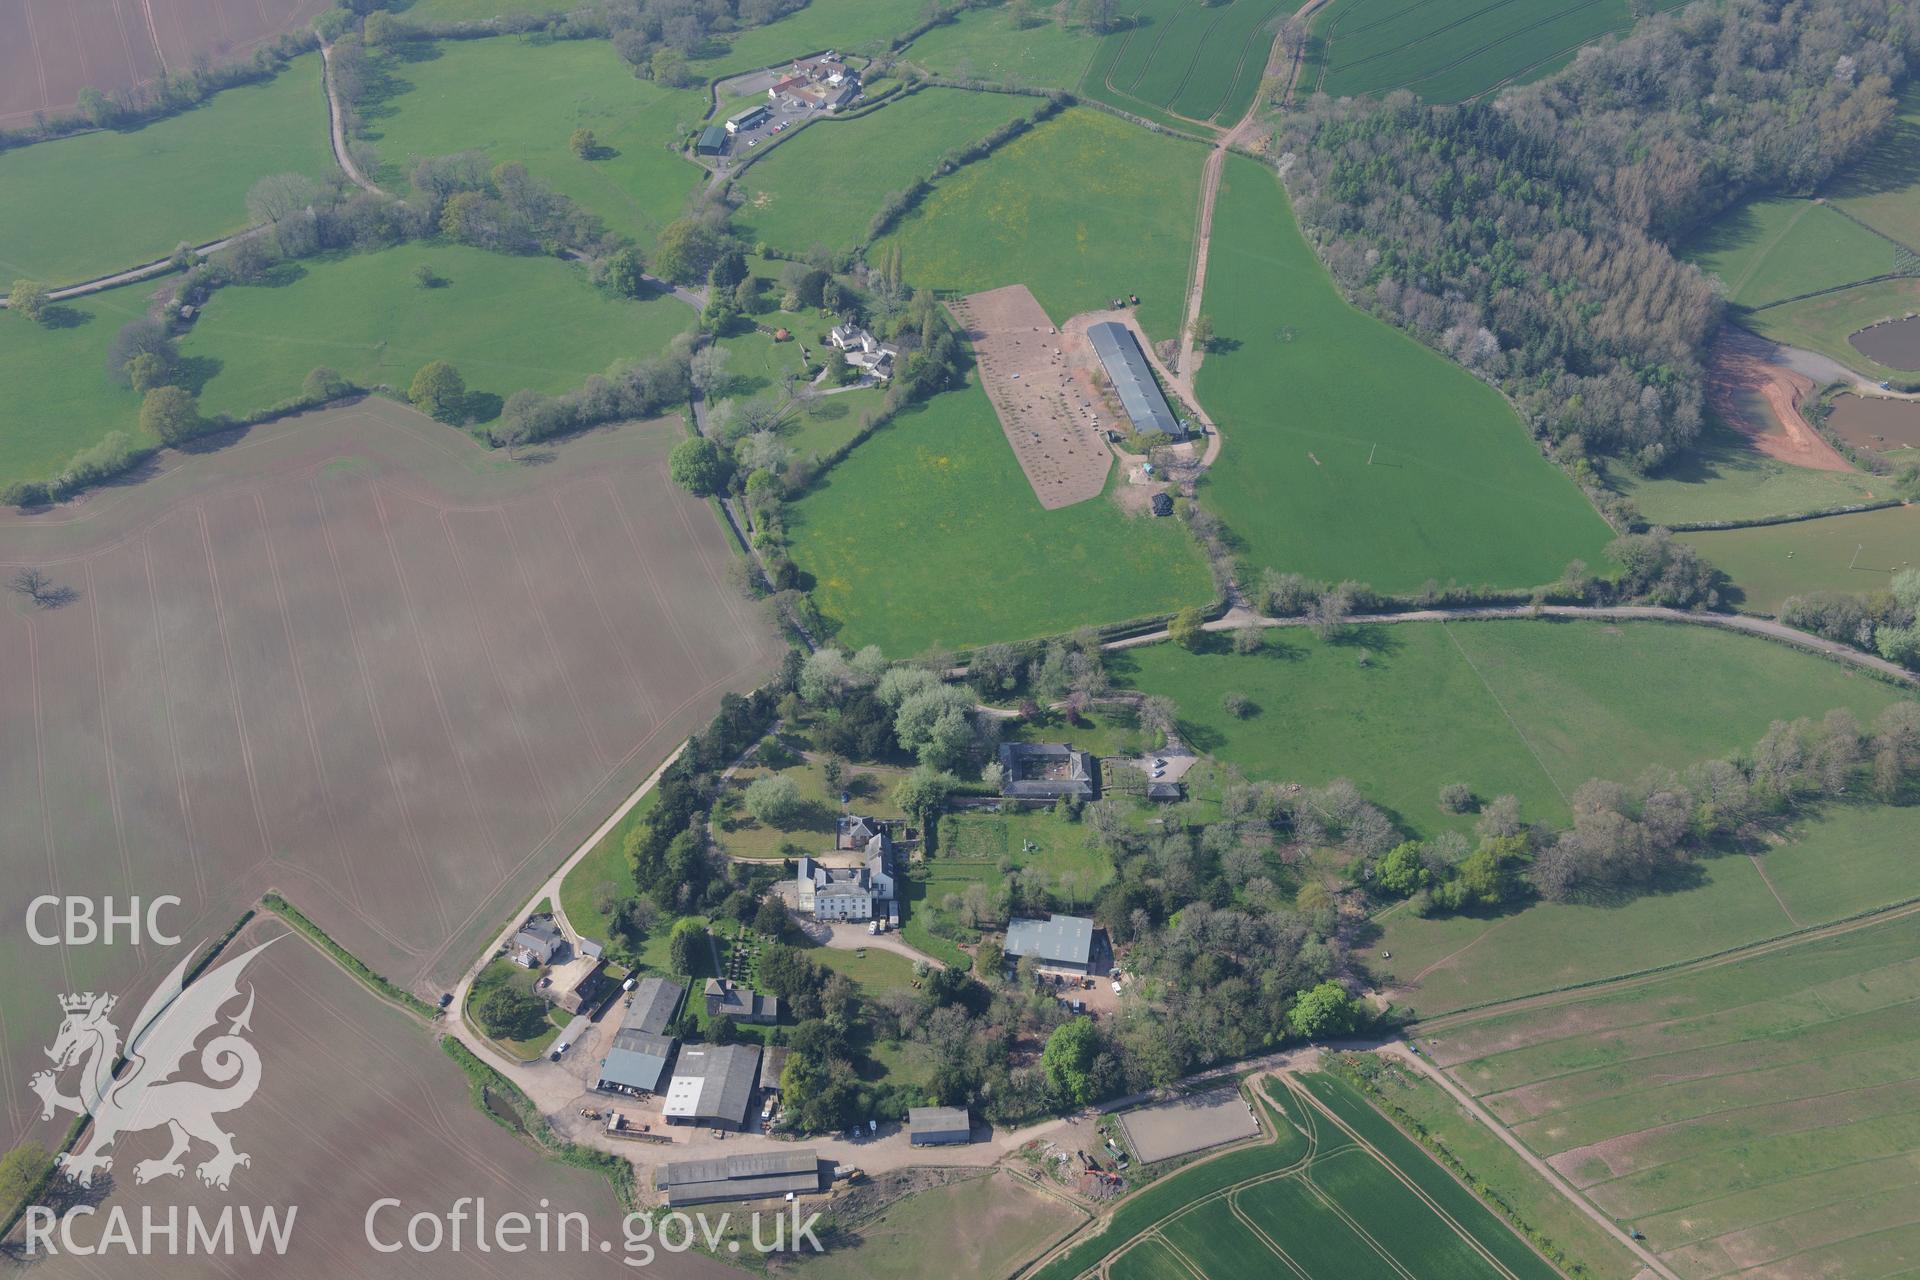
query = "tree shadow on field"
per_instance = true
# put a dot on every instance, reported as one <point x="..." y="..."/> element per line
<point x="60" y="316"/>
<point x="1377" y="638"/>
<point x="1892" y="165"/>
<point x="1732" y="230"/>
<point x="1276" y="645"/>
<point x="193" y="373"/>
<point x="480" y="406"/>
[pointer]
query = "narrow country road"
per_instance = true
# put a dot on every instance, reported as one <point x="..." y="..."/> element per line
<point x="337" y="125"/>
<point x="1472" y="1107"/>
<point x="1244" y="617"/>
<point x="336" y="136"/>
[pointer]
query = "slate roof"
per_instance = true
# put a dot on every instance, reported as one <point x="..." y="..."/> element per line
<point x="1021" y="764"/>
<point x="1126" y="365"/>
<point x="1057" y="939"/>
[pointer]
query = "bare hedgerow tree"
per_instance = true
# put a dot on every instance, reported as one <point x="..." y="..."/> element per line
<point x="36" y="586"/>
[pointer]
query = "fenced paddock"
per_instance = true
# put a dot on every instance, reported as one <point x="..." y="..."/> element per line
<point x="1186" y="1125"/>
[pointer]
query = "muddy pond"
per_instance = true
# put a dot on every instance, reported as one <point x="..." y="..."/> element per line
<point x="1893" y="343"/>
<point x="1870" y="422"/>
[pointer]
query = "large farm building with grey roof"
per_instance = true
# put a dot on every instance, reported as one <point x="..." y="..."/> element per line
<point x="1126" y="366"/>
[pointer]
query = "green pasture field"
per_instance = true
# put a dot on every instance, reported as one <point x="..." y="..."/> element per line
<point x="1823" y="323"/>
<point x="787" y="203"/>
<point x="852" y="26"/>
<point x="740" y="835"/>
<point x="1450" y="50"/>
<point x="980" y="1226"/>
<point x="1760" y="1110"/>
<point x="1110" y="730"/>
<point x="101" y="202"/>
<point x="929" y="534"/>
<point x="1768" y="563"/>
<point x="1777" y="247"/>
<point x="1882" y="188"/>
<point x="432" y="11"/>
<point x="505" y="323"/>
<point x="59" y="398"/>
<point x="1477" y="1149"/>
<point x="1305" y="388"/>
<point x="984" y="44"/>
<point x="1193" y="61"/>
<point x="1729" y="900"/>
<point x="1047" y="211"/>
<point x="1532" y="709"/>
<point x="1724" y="477"/>
<point x="521" y="101"/>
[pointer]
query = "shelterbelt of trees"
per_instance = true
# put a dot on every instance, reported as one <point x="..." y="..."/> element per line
<point x="1530" y="237"/>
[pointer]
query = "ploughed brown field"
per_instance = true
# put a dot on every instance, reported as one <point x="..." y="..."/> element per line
<point x="356" y="1104"/>
<point x="52" y="49"/>
<point x="353" y="657"/>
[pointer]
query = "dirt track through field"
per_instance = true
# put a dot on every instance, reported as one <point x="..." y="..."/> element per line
<point x="356" y="658"/>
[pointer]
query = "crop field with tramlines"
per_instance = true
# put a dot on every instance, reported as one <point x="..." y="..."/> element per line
<point x="1338" y="1192"/>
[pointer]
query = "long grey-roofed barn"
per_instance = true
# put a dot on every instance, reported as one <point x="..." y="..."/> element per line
<point x="1126" y="365"/>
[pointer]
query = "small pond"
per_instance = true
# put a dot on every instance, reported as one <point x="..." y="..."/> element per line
<point x="1893" y="343"/>
<point x="1871" y="422"/>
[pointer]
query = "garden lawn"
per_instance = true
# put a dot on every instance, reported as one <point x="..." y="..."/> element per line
<point x="789" y="206"/>
<point x="1823" y="323"/>
<point x="1529" y="708"/>
<point x="1053" y="209"/>
<point x="1449" y="50"/>
<point x="502" y="972"/>
<point x="1306" y="390"/>
<point x="101" y="202"/>
<point x="520" y="101"/>
<point x="984" y="44"/>
<point x="740" y="835"/>
<point x="874" y="971"/>
<point x="603" y="878"/>
<point x="824" y="425"/>
<point x="929" y="534"/>
<point x="59" y="399"/>
<point x="1843" y="862"/>
<point x="1775" y="247"/>
<point x="1724" y="477"/>
<point x="1064" y="856"/>
<point x="505" y="323"/>
<point x="1856" y="553"/>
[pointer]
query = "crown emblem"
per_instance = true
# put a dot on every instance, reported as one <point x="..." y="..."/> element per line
<point x="83" y="1002"/>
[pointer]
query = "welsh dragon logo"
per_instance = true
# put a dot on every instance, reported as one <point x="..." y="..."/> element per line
<point x="145" y="1095"/>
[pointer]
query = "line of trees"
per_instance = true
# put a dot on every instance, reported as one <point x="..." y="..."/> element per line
<point x="1529" y="238"/>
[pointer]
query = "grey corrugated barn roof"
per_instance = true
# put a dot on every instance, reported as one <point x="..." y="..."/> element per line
<point x="637" y="1060"/>
<point x="713" y="1082"/>
<point x="938" y="1124"/>
<point x="655" y="1002"/>
<point x="1057" y="939"/>
<point x="1120" y="353"/>
<point x="746" y="1177"/>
